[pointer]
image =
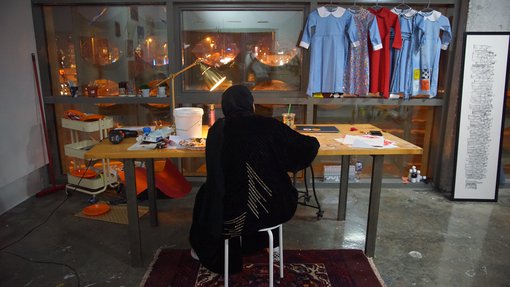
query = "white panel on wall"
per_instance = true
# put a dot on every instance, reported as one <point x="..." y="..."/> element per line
<point x="22" y="145"/>
<point x="488" y="15"/>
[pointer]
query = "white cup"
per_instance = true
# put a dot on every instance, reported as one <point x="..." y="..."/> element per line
<point x="146" y="93"/>
<point x="162" y="91"/>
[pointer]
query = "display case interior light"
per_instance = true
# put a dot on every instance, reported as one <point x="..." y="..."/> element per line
<point x="216" y="50"/>
<point x="278" y="56"/>
<point x="154" y="51"/>
<point x="99" y="51"/>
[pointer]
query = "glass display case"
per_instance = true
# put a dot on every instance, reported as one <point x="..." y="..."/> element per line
<point x="104" y="54"/>
<point x="106" y="51"/>
<point x="256" y="48"/>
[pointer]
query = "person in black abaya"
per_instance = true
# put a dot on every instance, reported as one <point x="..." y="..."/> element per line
<point x="248" y="188"/>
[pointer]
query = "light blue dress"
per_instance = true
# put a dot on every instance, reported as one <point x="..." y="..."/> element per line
<point x="357" y="72"/>
<point x="401" y="81"/>
<point x="432" y="33"/>
<point x="325" y="33"/>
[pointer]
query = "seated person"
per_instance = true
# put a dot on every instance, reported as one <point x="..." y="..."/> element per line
<point x="248" y="188"/>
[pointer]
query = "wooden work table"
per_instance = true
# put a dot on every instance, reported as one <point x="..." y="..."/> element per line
<point x="329" y="147"/>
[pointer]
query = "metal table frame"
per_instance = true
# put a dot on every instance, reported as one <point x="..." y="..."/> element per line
<point x="328" y="148"/>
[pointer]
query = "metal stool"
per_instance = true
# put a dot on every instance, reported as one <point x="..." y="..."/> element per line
<point x="270" y="235"/>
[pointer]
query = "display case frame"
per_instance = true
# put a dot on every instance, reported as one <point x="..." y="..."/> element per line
<point x="311" y="105"/>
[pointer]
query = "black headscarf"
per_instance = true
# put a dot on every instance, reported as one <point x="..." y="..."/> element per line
<point x="237" y="101"/>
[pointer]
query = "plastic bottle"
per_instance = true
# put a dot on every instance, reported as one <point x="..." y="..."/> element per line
<point x="211" y="114"/>
<point x="418" y="176"/>
<point x="358" y="168"/>
<point x="414" y="176"/>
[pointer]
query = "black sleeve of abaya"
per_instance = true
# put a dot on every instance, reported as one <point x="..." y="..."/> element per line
<point x="300" y="149"/>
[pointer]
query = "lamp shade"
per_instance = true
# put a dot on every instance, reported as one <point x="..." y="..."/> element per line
<point x="211" y="76"/>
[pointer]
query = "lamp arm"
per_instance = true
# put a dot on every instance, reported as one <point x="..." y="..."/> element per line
<point x="174" y="75"/>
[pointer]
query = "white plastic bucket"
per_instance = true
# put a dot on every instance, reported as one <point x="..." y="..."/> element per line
<point x="188" y="122"/>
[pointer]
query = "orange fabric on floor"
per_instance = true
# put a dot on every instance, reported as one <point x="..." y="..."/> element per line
<point x="141" y="179"/>
<point x="169" y="181"/>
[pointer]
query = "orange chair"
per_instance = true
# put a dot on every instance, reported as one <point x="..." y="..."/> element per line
<point x="169" y="181"/>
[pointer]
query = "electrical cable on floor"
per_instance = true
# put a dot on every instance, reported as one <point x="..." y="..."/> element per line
<point x="2" y="249"/>
<point x="47" y="262"/>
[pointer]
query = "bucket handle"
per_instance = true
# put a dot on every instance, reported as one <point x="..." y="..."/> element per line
<point x="192" y="125"/>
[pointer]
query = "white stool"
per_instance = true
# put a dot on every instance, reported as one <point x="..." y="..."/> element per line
<point x="270" y="235"/>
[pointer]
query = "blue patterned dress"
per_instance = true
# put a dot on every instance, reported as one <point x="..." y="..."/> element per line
<point x="325" y="33"/>
<point x="357" y="75"/>
<point x="432" y="33"/>
<point x="402" y="78"/>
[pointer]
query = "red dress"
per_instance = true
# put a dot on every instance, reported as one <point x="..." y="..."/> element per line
<point x="380" y="61"/>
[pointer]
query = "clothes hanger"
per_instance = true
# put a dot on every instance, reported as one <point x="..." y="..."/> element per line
<point x="331" y="7"/>
<point x="427" y="9"/>
<point x="377" y="6"/>
<point x="354" y="8"/>
<point x="403" y="6"/>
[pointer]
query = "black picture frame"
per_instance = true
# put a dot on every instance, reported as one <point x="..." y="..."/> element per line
<point x="480" y="123"/>
<point x="133" y="11"/>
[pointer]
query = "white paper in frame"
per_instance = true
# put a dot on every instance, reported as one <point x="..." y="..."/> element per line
<point x="481" y="116"/>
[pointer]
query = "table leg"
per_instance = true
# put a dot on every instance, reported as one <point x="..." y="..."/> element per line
<point x="344" y="183"/>
<point x="151" y="190"/>
<point x="132" y="209"/>
<point x="373" y="205"/>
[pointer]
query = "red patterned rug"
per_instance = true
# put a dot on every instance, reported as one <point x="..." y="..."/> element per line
<point x="343" y="267"/>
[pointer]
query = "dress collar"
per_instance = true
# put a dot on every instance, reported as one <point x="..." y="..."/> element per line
<point x="431" y="16"/>
<point x="324" y="12"/>
<point x="408" y="13"/>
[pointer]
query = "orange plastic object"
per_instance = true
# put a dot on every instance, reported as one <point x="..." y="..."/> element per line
<point x="117" y="165"/>
<point x="79" y="116"/>
<point x="141" y="179"/>
<point x="73" y="114"/>
<point x="85" y="173"/>
<point x="92" y="118"/>
<point x="96" y="209"/>
<point x="169" y="181"/>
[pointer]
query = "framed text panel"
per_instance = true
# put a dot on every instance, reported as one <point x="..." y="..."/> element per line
<point x="481" y="111"/>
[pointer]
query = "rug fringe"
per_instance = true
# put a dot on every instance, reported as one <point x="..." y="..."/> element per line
<point x="149" y="270"/>
<point x="376" y="272"/>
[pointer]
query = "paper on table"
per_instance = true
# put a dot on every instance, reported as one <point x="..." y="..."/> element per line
<point x="366" y="141"/>
<point x="374" y="141"/>
<point x="139" y="146"/>
<point x="360" y="143"/>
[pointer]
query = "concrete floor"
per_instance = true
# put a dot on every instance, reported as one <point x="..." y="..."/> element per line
<point x="424" y="239"/>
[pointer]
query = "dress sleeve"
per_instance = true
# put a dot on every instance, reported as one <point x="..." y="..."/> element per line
<point x="418" y="32"/>
<point x="446" y="36"/>
<point x="375" y="36"/>
<point x="352" y="31"/>
<point x="395" y="23"/>
<point x="308" y="31"/>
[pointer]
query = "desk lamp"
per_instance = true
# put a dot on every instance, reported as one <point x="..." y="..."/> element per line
<point x="211" y="76"/>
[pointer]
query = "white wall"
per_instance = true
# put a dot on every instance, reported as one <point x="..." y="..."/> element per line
<point x="488" y="16"/>
<point x="22" y="151"/>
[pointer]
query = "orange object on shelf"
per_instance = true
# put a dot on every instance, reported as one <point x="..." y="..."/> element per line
<point x="79" y="116"/>
<point x="115" y="165"/>
<point x="91" y="118"/>
<point x="96" y="209"/>
<point x="85" y="173"/>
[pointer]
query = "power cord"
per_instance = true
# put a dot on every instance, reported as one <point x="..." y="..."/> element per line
<point x="2" y="249"/>
<point x="47" y="262"/>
